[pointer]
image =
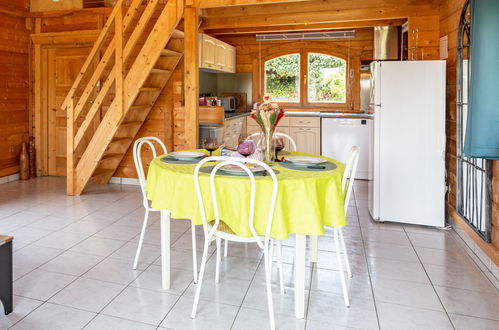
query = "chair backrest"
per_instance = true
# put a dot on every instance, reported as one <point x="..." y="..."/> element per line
<point x="349" y="175"/>
<point x="240" y="162"/>
<point x="137" y="159"/>
<point x="259" y="135"/>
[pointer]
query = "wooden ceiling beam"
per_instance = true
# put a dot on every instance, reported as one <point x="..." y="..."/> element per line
<point x="316" y="17"/>
<point x="228" y="3"/>
<point x="306" y="27"/>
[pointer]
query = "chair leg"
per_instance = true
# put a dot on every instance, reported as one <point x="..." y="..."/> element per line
<point x="268" y="274"/>
<point x="200" y="279"/>
<point x="217" y="269"/>
<point x="194" y="254"/>
<point x="314" y="247"/>
<point x="141" y="240"/>
<point x="345" y="254"/>
<point x="340" y="265"/>
<point x="226" y="250"/>
<point x="279" y="265"/>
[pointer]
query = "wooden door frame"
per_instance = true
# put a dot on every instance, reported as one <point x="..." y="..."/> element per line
<point x="41" y="43"/>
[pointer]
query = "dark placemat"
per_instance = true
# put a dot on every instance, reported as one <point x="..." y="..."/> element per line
<point x="208" y="169"/>
<point x="173" y="160"/>
<point x="328" y="167"/>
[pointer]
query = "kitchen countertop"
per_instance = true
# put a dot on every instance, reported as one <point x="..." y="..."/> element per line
<point x="234" y="115"/>
<point x="301" y="113"/>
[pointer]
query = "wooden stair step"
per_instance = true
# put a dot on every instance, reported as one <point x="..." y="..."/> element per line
<point x="170" y="53"/>
<point x="177" y="34"/>
<point x="141" y="107"/>
<point x="150" y="89"/>
<point x="131" y="123"/>
<point x="160" y="71"/>
<point x="102" y="172"/>
<point x="111" y="156"/>
<point x="121" y="140"/>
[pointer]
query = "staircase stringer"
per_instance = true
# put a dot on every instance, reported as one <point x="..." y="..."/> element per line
<point x="134" y="80"/>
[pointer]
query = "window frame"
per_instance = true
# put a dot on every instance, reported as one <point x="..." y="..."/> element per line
<point x="300" y="73"/>
<point x="304" y="104"/>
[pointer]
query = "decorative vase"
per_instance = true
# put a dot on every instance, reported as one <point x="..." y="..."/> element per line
<point x="268" y="146"/>
<point x="24" y="164"/>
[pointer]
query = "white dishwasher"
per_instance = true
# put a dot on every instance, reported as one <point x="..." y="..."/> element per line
<point x="339" y="135"/>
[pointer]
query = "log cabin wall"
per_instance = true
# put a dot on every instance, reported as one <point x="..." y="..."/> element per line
<point x="14" y="86"/>
<point x="450" y="13"/>
<point x="248" y="52"/>
<point x="69" y="27"/>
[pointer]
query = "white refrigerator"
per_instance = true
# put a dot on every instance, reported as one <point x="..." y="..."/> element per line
<point x="407" y="153"/>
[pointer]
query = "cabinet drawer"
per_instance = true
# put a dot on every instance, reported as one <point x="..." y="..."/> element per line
<point x="304" y="122"/>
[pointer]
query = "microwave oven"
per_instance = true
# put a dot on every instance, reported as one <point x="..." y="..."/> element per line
<point x="229" y="103"/>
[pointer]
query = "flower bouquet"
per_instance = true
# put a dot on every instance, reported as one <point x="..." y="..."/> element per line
<point x="267" y="116"/>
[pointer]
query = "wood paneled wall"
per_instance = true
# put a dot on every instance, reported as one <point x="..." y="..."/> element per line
<point x="249" y="51"/>
<point x="160" y="121"/>
<point x="450" y="13"/>
<point x="14" y="86"/>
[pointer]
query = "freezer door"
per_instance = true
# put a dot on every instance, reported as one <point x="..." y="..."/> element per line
<point x="412" y="142"/>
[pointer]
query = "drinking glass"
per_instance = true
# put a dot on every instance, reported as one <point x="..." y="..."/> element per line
<point x="278" y="142"/>
<point x="246" y="148"/>
<point x="211" y="144"/>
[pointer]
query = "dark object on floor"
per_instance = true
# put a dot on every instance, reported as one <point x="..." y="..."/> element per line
<point x="6" y="273"/>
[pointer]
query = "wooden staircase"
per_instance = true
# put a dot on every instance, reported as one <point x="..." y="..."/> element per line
<point x="125" y="72"/>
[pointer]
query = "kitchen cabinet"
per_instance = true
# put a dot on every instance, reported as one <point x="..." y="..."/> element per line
<point x="232" y="130"/>
<point x="216" y="55"/>
<point x="305" y="131"/>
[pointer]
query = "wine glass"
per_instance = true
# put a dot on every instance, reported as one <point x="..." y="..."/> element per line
<point x="278" y="142"/>
<point x="211" y="144"/>
<point x="246" y="148"/>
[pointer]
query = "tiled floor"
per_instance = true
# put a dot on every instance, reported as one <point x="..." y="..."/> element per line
<point x="73" y="256"/>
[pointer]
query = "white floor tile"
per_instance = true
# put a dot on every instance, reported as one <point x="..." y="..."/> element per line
<point x="397" y="270"/>
<point x="118" y="232"/>
<point x="228" y="291"/>
<point x="22" y="307"/>
<point x="391" y="251"/>
<point x="462" y="278"/>
<point x="98" y="246"/>
<point x="470" y="303"/>
<point x="41" y="285"/>
<point x="61" y="240"/>
<point x="251" y="319"/>
<point x="146" y="306"/>
<point x="406" y="293"/>
<point x="87" y="294"/>
<point x="462" y="322"/>
<point x="71" y="263"/>
<point x="105" y="322"/>
<point x="114" y="270"/>
<point x="210" y="314"/>
<point x="151" y="279"/>
<point x="395" y="317"/>
<point x="50" y="316"/>
<point x="148" y="254"/>
<point x="445" y="258"/>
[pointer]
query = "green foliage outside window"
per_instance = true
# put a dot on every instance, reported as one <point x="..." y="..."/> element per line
<point x="326" y="78"/>
<point x="282" y="78"/>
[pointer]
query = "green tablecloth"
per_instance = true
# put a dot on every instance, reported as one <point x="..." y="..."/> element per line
<point x="306" y="201"/>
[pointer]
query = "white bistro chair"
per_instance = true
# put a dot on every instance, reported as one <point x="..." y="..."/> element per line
<point x="259" y="135"/>
<point x="217" y="230"/>
<point x="339" y="242"/>
<point x="137" y="148"/>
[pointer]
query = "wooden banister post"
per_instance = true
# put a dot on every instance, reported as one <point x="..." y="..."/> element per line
<point x="70" y="149"/>
<point x="118" y="65"/>
<point x="191" y="77"/>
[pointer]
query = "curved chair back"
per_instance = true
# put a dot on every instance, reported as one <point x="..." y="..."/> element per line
<point x="137" y="159"/>
<point x="349" y="174"/>
<point x="278" y="134"/>
<point x="240" y="162"/>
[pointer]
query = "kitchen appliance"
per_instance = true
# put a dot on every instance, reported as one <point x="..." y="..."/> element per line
<point x="407" y="157"/>
<point x="229" y="103"/>
<point x="339" y="135"/>
<point x="386" y="43"/>
<point x="210" y="130"/>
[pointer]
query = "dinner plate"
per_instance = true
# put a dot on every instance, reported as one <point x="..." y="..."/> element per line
<point x="305" y="160"/>
<point x="186" y="154"/>
<point x="236" y="170"/>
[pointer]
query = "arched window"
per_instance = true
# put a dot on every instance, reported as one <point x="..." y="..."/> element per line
<point x="306" y="78"/>
<point x="282" y="78"/>
<point x="327" y="78"/>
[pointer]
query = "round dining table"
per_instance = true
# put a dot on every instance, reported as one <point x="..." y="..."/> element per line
<point x="309" y="198"/>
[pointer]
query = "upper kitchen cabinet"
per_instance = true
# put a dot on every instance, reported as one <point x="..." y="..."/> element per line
<point x="216" y="55"/>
